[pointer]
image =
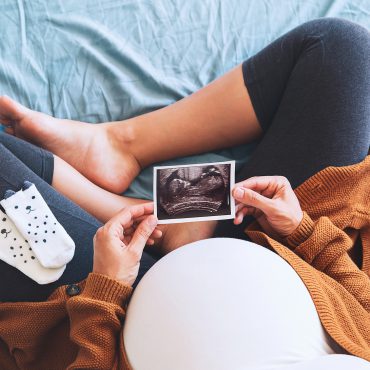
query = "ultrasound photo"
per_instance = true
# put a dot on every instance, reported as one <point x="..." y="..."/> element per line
<point x="199" y="192"/>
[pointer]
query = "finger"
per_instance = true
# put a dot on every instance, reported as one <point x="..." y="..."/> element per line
<point x="140" y="211"/>
<point x="125" y="219"/>
<point x="238" y="218"/>
<point x="239" y="207"/>
<point x="127" y="216"/>
<point x="149" y="208"/>
<point x="141" y="218"/>
<point x="156" y="234"/>
<point x="254" y="199"/>
<point x="127" y="239"/>
<point x="242" y="213"/>
<point x="262" y="183"/>
<point x="129" y="230"/>
<point x="153" y="236"/>
<point x="143" y="233"/>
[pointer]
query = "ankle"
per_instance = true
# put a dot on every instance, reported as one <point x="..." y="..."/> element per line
<point x="125" y="137"/>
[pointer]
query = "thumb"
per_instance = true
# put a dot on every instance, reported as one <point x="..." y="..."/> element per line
<point x="143" y="232"/>
<point x="253" y="199"/>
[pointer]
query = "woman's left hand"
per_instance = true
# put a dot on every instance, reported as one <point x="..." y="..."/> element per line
<point x="272" y="201"/>
<point x="119" y="244"/>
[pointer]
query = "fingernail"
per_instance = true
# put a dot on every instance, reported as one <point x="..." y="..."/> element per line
<point x="238" y="193"/>
<point x="8" y="194"/>
<point x="152" y="221"/>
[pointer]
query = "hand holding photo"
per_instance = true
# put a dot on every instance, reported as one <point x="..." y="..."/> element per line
<point x="196" y="192"/>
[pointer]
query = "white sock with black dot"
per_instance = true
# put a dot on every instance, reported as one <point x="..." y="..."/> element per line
<point x="50" y="242"/>
<point x="17" y="252"/>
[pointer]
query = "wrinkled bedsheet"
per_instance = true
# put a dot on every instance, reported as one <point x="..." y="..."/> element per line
<point x="103" y="60"/>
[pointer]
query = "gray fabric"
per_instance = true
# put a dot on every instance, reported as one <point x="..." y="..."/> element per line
<point x="22" y="161"/>
<point x="310" y="90"/>
<point x="38" y="160"/>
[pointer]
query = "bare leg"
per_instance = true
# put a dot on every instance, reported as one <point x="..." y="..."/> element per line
<point x="177" y="235"/>
<point x="218" y="116"/>
<point x="84" y="146"/>
<point x="103" y="205"/>
<point x="99" y="202"/>
<point x="110" y="155"/>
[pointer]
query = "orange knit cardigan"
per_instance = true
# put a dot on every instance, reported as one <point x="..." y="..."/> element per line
<point x="85" y="331"/>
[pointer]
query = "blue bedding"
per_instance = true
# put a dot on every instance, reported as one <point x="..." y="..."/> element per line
<point x="103" y="60"/>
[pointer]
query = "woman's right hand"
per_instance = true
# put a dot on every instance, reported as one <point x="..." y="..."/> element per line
<point x="119" y="244"/>
<point x="272" y="201"/>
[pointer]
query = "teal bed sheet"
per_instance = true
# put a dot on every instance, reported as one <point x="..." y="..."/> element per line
<point x="104" y="60"/>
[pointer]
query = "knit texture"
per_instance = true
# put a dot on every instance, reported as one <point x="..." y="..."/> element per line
<point x="336" y="204"/>
<point x="79" y="332"/>
<point x="85" y="331"/>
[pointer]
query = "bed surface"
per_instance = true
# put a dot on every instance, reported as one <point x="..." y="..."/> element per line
<point x="103" y="60"/>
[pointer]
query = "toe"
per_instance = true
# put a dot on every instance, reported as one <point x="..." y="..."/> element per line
<point x="10" y="109"/>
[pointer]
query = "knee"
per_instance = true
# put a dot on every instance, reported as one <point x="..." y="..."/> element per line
<point x="341" y="34"/>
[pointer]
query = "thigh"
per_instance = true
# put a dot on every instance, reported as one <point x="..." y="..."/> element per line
<point x="39" y="161"/>
<point x="79" y="224"/>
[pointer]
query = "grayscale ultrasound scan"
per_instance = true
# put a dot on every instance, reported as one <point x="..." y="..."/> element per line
<point x="200" y="192"/>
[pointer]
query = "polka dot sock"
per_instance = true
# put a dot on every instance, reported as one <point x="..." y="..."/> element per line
<point x="17" y="252"/>
<point x="34" y="220"/>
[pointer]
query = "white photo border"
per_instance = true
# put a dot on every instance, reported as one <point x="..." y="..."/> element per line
<point x="195" y="219"/>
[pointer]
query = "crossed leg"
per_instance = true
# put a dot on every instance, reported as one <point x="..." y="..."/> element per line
<point x="94" y="163"/>
<point x="111" y="154"/>
<point x="293" y="93"/>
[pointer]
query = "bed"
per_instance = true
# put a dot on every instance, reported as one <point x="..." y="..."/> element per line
<point x="103" y="60"/>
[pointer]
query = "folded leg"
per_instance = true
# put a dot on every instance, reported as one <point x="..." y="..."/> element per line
<point x="310" y="91"/>
<point x="80" y="225"/>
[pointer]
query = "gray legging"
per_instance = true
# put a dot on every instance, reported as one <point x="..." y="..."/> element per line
<point x="23" y="161"/>
<point x="311" y="92"/>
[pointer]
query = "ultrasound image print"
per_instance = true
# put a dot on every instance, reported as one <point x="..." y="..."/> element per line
<point x="200" y="192"/>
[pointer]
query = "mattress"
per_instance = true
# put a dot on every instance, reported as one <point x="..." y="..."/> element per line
<point x="104" y="60"/>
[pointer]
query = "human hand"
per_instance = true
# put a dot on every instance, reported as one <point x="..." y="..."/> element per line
<point x="272" y="201"/>
<point x="119" y="244"/>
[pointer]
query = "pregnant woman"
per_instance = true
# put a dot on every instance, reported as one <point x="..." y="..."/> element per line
<point x="305" y="98"/>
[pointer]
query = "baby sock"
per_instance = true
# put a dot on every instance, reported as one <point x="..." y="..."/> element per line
<point x="16" y="252"/>
<point x="50" y="242"/>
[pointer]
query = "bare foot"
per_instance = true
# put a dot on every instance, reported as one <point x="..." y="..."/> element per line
<point x="90" y="149"/>
<point x="177" y="235"/>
